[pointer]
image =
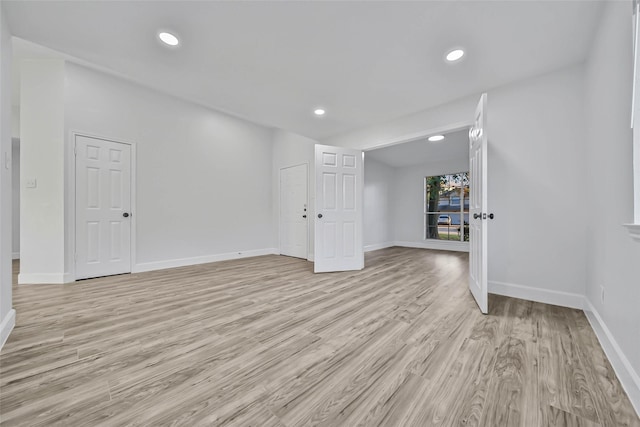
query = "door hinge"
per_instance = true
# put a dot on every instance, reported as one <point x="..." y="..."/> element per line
<point x="75" y="151"/>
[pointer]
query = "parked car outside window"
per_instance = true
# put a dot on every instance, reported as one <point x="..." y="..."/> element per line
<point x="444" y="220"/>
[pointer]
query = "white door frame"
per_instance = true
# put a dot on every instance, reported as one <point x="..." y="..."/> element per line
<point x="309" y="213"/>
<point x="70" y="201"/>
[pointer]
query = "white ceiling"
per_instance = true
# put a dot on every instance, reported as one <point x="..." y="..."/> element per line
<point x="274" y="62"/>
<point x="454" y="146"/>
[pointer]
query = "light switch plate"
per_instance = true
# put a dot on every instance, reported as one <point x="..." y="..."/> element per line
<point x="32" y="183"/>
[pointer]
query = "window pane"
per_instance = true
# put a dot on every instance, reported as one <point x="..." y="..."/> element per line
<point x="440" y="226"/>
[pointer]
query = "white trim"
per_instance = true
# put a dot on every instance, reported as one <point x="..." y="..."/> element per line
<point x="204" y="259"/>
<point x="376" y="246"/>
<point x="634" y="88"/>
<point x="634" y="230"/>
<point x="628" y="377"/>
<point x="134" y="197"/>
<point x="635" y="117"/>
<point x="15" y="255"/>
<point x="70" y="205"/>
<point x="546" y="296"/>
<point x="45" y="278"/>
<point x="310" y="257"/>
<point x="70" y="217"/>
<point x="441" y="245"/>
<point x="6" y="326"/>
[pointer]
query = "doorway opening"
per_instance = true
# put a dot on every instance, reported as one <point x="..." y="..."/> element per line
<point x="417" y="192"/>
<point x="404" y="182"/>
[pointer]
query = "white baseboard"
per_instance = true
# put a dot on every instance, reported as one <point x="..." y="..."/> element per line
<point x="6" y="326"/>
<point x="181" y="262"/>
<point x="547" y="296"/>
<point x="377" y="246"/>
<point x="441" y="245"/>
<point x="15" y="255"/>
<point x="628" y="377"/>
<point x="44" y="278"/>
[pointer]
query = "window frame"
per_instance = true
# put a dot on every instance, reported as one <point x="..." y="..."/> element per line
<point x="426" y="213"/>
<point x="634" y="228"/>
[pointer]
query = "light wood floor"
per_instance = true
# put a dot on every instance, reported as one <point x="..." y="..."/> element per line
<point x="265" y="342"/>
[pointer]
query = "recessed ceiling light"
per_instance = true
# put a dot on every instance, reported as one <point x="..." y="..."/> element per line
<point x="169" y="39"/>
<point x="455" y="54"/>
<point x="436" y="138"/>
<point x="319" y="112"/>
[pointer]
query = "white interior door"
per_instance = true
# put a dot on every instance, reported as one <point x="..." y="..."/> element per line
<point x="478" y="207"/>
<point x="103" y="207"/>
<point x="338" y="209"/>
<point x="293" y="211"/>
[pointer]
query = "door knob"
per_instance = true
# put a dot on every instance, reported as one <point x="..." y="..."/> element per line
<point x="476" y="215"/>
<point x="319" y="215"/>
<point x="490" y="216"/>
<point x="304" y="216"/>
<point x="126" y="214"/>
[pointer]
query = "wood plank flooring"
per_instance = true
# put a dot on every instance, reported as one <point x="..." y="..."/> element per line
<point x="265" y="342"/>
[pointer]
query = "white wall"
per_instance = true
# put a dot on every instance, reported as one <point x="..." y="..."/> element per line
<point x="204" y="178"/>
<point x="454" y="115"/>
<point x="536" y="172"/>
<point x="15" y="198"/>
<point x="536" y="183"/>
<point x="290" y="149"/>
<point x="378" y="204"/>
<point x="7" y="314"/>
<point x="15" y="178"/>
<point x="408" y="201"/>
<point x="15" y="121"/>
<point x="42" y="158"/>
<point x="612" y="257"/>
<point x="15" y="181"/>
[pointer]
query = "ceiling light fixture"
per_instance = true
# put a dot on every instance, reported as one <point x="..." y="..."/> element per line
<point x="168" y="39"/>
<point x="319" y="112"/>
<point x="436" y="138"/>
<point x="455" y="54"/>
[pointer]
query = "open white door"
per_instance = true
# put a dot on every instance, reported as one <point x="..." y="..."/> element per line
<point x="478" y="207"/>
<point x="338" y="209"/>
<point x="103" y="207"/>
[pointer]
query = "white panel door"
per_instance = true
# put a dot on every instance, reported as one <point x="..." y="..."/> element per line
<point x="478" y="207"/>
<point x="293" y="211"/>
<point x="338" y="209"/>
<point x="103" y="207"/>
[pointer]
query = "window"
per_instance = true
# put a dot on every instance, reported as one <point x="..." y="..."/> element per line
<point x="634" y="229"/>
<point x="446" y="207"/>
